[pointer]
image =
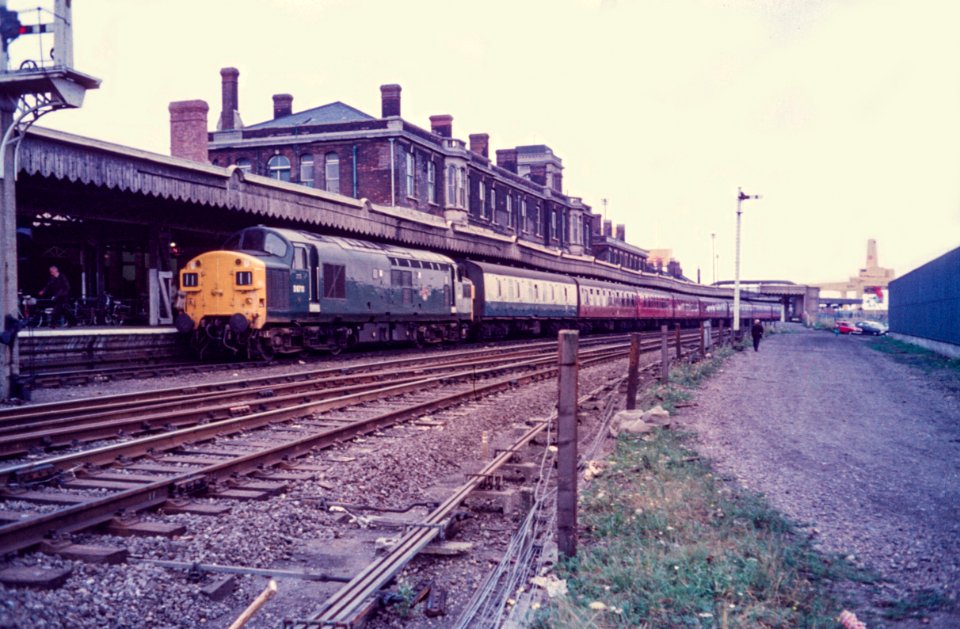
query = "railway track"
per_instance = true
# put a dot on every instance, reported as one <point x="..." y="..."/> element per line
<point x="250" y="452"/>
<point x="86" y="371"/>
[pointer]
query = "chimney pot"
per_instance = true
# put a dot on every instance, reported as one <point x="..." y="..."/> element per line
<point x="622" y="233"/>
<point x="442" y="125"/>
<point x="608" y="228"/>
<point x="188" y="130"/>
<point x="282" y="105"/>
<point x="390" y="100"/>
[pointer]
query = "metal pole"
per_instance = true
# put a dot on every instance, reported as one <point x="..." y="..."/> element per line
<point x="736" y="271"/>
<point x="567" y="444"/>
<point x="713" y="255"/>
<point x="632" y="371"/>
<point x="8" y="250"/>
<point x="664" y="355"/>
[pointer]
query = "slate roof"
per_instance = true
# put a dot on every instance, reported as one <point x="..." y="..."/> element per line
<point x="534" y="148"/>
<point x="325" y="114"/>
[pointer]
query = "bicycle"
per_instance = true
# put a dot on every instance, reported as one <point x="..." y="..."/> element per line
<point x="115" y="312"/>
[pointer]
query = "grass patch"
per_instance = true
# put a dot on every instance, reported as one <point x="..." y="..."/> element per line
<point x="917" y="605"/>
<point x="664" y="543"/>
<point x="684" y="377"/>
<point x="915" y="355"/>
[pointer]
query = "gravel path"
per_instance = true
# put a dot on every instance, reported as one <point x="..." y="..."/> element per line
<point x="861" y="450"/>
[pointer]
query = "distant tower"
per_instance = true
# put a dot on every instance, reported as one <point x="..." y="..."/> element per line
<point x="872" y="254"/>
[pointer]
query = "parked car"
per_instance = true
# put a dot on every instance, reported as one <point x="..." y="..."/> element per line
<point x="845" y="327"/>
<point x="873" y="328"/>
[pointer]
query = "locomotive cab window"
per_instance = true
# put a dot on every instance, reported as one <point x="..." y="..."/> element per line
<point x="244" y="278"/>
<point x="300" y="258"/>
<point x="191" y="280"/>
<point x="262" y="241"/>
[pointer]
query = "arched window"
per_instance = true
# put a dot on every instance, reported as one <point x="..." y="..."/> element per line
<point x="244" y="164"/>
<point x="331" y="172"/>
<point x="306" y="170"/>
<point x="279" y="168"/>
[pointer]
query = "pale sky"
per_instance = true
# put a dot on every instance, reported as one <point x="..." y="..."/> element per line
<point x="844" y="115"/>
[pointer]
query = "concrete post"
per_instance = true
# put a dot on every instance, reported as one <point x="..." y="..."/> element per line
<point x="567" y="444"/>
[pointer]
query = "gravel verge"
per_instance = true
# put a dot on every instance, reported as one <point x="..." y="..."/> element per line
<point x="859" y="449"/>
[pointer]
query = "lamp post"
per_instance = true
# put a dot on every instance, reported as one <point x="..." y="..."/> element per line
<point x="713" y="255"/>
<point x="741" y="197"/>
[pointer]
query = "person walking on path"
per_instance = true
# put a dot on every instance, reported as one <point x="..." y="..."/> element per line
<point x="58" y="289"/>
<point x="757" y="332"/>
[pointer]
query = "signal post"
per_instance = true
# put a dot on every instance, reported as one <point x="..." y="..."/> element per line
<point x="36" y="87"/>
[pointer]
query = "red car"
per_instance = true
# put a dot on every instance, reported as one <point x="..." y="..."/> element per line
<point x="846" y="327"/>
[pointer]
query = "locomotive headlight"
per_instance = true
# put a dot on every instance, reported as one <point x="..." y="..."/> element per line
<point x="249" y="300"/>
<point x="238" y="261"/>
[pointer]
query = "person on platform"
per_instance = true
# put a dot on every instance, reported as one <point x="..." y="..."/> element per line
<point x="757" y="332"/>
<point x="58" y="289"/>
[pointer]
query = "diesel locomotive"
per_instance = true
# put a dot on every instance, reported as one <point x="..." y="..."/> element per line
<point x="272" y="291"/>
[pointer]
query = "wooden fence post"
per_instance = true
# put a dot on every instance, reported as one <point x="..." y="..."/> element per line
<point x="679" y="351"/>
<point x="567" y="444"/>
<point x="664" y="355"/>
<point x="703" y="340"/>
<point x="632" y="375"/>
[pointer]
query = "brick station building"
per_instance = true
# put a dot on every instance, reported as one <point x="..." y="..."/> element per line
<point x="393" y="162"/>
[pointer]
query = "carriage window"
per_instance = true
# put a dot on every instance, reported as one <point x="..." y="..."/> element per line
<point x="334" y="281"/>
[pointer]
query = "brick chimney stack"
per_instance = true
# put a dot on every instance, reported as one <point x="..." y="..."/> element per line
<point x="230" y="114"/>
<point x="507" y="159"/>
<point x="188" y="130"/>
<point x="282" y="105"/>
<point x="390" y="100"/>
<point x="608" y="228"/>
<point x="480" y="144"/>
<point x="442" y="125"/>
<point x="621" y="233"/>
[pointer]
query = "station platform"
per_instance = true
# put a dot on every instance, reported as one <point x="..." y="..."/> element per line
<point x="45" y="349"/>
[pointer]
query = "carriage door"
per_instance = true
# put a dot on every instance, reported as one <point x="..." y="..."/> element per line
<point x="314" y="287"/>
<point x="300" y="279"/>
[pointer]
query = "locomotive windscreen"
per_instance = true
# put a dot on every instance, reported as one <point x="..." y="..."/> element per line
<point x="259" y="240"/>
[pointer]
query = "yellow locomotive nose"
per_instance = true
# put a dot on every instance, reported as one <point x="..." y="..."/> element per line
<point x="225" y="285"/>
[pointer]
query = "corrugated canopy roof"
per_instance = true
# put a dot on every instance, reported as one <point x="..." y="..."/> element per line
<point x="325" y="114"/>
